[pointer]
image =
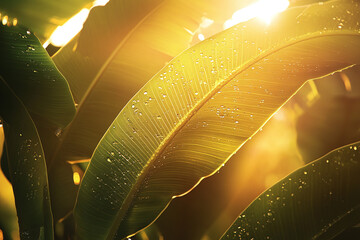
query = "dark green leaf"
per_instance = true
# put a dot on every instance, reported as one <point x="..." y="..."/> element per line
<point x="30" y="73"/>
<point x="27" y="167"/>
<point x="318" y="201"/>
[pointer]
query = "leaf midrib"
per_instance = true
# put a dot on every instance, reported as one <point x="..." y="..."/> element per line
<point x="131" y="195"/>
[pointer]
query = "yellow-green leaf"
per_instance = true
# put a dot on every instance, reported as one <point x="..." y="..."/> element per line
<point x="198" y="110"/>
<point x="121" y="46"/>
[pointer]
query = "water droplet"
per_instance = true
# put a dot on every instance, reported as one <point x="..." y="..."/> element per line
<point x="109" y="160"/>
<point x="58" y="132"/>
<point x="158" y="117"/>
<point x="30" y="48"/>
<point x="28" y="32"/>
<point x="355" y="148"/>
<point x="145" y="93"/>
<point x="305" y="172"/>
<point x="112" y="153"/>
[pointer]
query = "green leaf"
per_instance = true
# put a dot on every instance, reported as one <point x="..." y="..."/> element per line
<point x="121" y="46"/>
<point x="41" y="16"/>
<point x="31" y="74"/>
<point x="318" y="201"/>
<point x="27" y="167"/>
<point x="198" y="110"/>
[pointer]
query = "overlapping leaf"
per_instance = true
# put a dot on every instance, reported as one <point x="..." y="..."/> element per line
<point x="31" y="88"/>
<point x="199" y="109"/>
<point x="27" y="168"/>
<point x="31" y="74"/>
<point x="318" y="201"/>
<point x="122" y="45"/>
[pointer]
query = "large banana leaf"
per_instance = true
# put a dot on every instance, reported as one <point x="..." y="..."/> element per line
<point x="27" y="167"/>
<point x="41" y="16"/>
<point x="198" y="110"/>
<point x="318" y="201"/>
<point x="121" y="46"/>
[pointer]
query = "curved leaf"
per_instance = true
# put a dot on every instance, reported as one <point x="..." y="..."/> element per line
<point x="198" y="110"/>
<point x="318" y="201"/>
<point x="27" y="167"/>
<point x="42" y="16"/>
<point x="121" y="46"/>
<point x="31" y="74"/>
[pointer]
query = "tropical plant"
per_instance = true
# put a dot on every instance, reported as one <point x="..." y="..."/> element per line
<point x="141" y="143"/>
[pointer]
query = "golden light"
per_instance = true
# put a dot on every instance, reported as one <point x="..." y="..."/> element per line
<point x="63" y="34"/>
<point x="15" y="21"/>
<point x="201" y="37"/>
<point x="265" y="10"/>
<point x="5" y="20"/>
<point x="76" y="178"/>
<point x="346" y="81"/>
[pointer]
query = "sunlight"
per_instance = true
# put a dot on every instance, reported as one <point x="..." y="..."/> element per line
<point x="76" y="178"/>
<point x="63" y="34"/>
<point x="66" y="32"/>
<point x="4" y="20"/>
<point x="265" y="10"/>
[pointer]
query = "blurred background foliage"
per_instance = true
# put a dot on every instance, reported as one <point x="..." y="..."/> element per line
<point x="320" y="117"/>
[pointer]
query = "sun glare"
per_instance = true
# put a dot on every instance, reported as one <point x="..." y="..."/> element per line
<point x="263" y="9"/>
<point x="63" y="34"/>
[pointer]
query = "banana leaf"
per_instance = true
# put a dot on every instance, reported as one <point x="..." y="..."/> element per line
<point x="31" y="88"/>
<point x="27" y="168"/>
<point x="122" y="45"/>
<point x="318" y="201"/>
<point x="199" y="109"/>
<point x="31" y="74"/>
<point x="42" y="17"/>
